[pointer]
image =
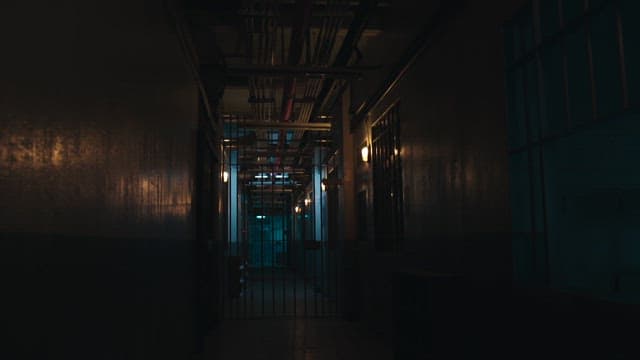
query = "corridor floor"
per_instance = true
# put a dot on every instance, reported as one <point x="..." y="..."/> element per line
<point x="295" y="339"/>
<point x="280" y="293"/>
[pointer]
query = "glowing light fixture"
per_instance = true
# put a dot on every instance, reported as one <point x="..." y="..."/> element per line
<point x="298" y="209"/>
<point x="225" y="176"/>
<point x="364" y="153"/>
<point x="307" y="201"/>
<point x="260" y="217"/>
<point x="323" y="185"/>
<point x="396" y="151"/>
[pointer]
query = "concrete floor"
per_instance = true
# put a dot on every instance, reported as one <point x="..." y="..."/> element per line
<point x="295" y="339"/>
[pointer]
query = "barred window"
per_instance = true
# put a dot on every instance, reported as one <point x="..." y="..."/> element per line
<point x="387" y="181"/>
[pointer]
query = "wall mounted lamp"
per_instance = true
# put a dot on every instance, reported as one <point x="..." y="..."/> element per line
<point x="225" y="176"/>
<point x="364" y="153"/>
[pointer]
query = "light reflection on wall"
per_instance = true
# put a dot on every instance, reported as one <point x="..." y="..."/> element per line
<point x="90" y="179"/>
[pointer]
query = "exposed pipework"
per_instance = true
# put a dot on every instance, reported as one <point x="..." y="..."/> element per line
<point x="300" y="28"/>
<point x="322" y="50"/>
<point x="350" y="42"/>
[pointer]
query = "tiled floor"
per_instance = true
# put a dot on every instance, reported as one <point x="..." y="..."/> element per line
<point x="295" y="339"/>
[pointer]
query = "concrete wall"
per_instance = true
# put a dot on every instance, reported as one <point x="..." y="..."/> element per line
<point x="454" y="158"/>
<point x="97" y="143"/>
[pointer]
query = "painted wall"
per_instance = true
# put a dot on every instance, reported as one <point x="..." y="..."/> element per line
<point x="97" y="143"/>
<point x="454" y="158"/>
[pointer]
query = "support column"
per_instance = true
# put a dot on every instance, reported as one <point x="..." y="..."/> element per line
<point x="319" y="198"/>
<point x="233" y="202"/>
<point x="349" y="278"/>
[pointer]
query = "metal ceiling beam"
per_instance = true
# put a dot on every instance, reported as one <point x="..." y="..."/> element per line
<point x="285" y="126"/>
<point x="299" y="71"/>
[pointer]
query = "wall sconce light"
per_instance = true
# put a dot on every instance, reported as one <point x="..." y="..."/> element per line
<point x="364" y="153"/>
<point x="307" y="201"/>
<point x="323" y="185"/>
<point x="225" y="176"/>
<point x="298" y="209"/>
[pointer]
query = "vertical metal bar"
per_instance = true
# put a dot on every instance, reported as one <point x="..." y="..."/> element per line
<point x="251" y="276"/>
<point x="243" y="234"/>
<point x="398" y="160"/>
<point x="273" y="242"/>
<point x="293" y="256"/>
<point x="322" y="270"/>
<point x="540" y="97"/>
<point x="621" y="54"/>
<point x="315" y="241"/>
<point x="592" y="76"/>
<point x="243" y="231"/>
<point x="237" y="226"/>
<point x="262" y="233"/>
<point x="331" y="241"/>
<point x="250" y="260"/>
<point x="285" y="243"/>
<point x="337" y="257"/>
<point x="231" y="234"/>
<point x="565" y="67"/>
<point x="304" y="256"/>
<point x="530" y="156"/>
<point x="337" y="243"/>
<point x="229" y="245"/>
<point x="223" y="272"/>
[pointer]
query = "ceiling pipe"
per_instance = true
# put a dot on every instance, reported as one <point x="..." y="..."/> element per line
<point x="295" y="53"/>
<point x="301" y="25"/>
<point x="349" y="44"/>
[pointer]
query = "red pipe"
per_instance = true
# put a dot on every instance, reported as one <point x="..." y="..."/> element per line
<point x="300" y="27"/>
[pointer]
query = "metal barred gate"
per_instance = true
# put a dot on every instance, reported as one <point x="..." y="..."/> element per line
<point x="278" y="259"/>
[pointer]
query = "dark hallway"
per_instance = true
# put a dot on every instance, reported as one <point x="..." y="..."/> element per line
<point x="320" y="179"/>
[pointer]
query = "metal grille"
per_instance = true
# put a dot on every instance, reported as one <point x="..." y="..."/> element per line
<point x="572" y="77"/>
<point x="387" y="181"/>
<point x="278" y="260"/>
